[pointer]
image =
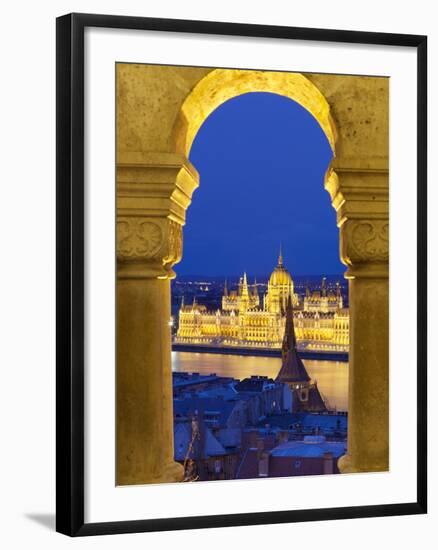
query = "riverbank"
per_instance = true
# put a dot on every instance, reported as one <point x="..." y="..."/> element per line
<point x="332" y="376"/>
<point x="259" y="352"/>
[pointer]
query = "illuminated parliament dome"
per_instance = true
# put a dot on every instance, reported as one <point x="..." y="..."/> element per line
<point x="280" y="276"/>
<point x="280" y="287"/>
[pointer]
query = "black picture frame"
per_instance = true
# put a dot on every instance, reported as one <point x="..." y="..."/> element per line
<point x="70" y="273"/>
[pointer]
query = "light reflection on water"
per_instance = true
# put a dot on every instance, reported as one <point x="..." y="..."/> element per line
<point x="332" y="376"/>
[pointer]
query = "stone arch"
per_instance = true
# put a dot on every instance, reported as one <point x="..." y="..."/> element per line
<point x="220" y="85"/>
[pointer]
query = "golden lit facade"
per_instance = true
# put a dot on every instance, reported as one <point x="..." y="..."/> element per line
<point x="248" y="320"/>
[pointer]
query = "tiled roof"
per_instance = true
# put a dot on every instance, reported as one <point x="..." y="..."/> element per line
<point x="315" y="402"/>
<point x="292" y="369"/>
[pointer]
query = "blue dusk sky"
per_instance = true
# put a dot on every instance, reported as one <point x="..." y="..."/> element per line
<point x="261" y="159"/>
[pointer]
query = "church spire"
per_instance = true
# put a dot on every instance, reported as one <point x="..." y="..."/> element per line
<point x="292" y="368"/>
<point x="225" y="288"/>
<point x="289" y="338"/>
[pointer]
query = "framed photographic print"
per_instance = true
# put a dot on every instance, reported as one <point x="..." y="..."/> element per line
<point x="241" y="274"/>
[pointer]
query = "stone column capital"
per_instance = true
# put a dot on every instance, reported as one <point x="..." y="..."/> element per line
<point x="360" y="197"/>
<point x="153" y="192"/>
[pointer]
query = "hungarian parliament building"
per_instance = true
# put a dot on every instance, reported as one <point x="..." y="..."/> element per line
<point x="248" y="320"/>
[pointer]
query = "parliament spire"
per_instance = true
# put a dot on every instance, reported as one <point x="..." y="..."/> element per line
<point x="280" y="257"/>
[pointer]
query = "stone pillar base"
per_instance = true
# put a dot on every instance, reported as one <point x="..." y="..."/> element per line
<point x="173" y="472"/>
<point x="346" y="465"/>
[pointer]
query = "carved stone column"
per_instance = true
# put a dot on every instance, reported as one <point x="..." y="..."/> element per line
<point x="153" y="193"/>
<point x="360" y="198"/>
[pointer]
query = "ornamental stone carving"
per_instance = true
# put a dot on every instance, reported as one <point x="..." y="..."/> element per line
<point x="360" y="197"/>
<point x="138" y="238"/>
<point x="370" y="240"/>
<point x="174" y="244"/>
<point x="153" y="192"/>
<point x="365" y="241"/>
<point x="148" y="247"/>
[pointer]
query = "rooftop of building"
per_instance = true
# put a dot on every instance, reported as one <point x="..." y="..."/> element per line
<point x="306" y="420"/>
<point x="249" y="465"/>
<point x="254" y="384"/>
<point x="208" y="444"/>
<point x="181" y="379"/>
<point x="201" y="407"/>
<point x="213" y="386"/>
<point x="312" y="446"/>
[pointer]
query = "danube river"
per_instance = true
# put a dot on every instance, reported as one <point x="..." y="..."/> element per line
<point x="332" y="376"/>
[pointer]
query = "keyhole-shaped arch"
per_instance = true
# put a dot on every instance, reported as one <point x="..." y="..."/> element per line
<point x="220" y="85"/>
